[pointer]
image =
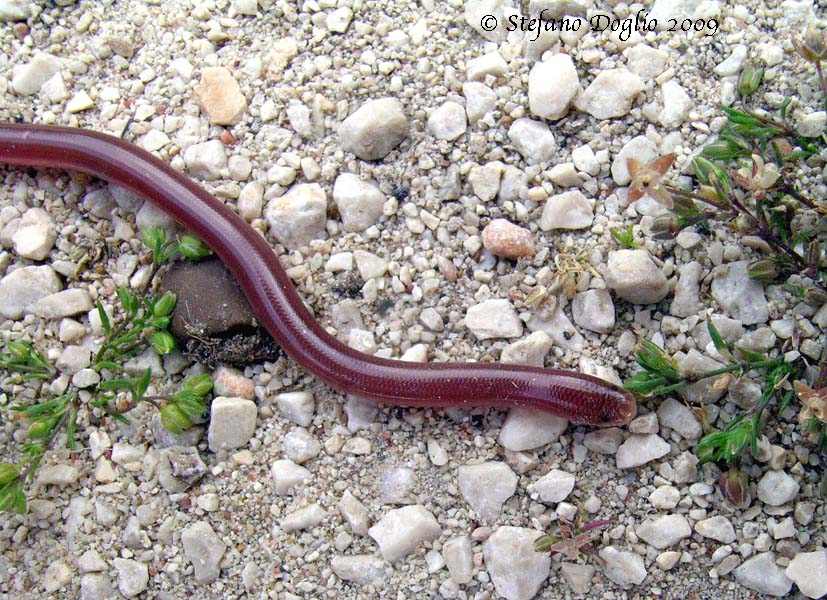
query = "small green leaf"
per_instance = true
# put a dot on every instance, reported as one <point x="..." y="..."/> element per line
<point x="164" y="306"/>
<point x="143" y="384"/>
<point x="191" y="407"/>
<point x="105" y="324"/>
<point x="163" y="342"/>
<point x="174" y="419"/>
<point x="154" y="237"/>
<point x="13" y="498"/>
<point x="70" y="429"/>
<point x="116" y="384"/>
<point x="720" y="344"/>
<point x="8" y="473"/>
<point x="201" y="384"/>
<point x="193" y="248"/>
<point x="625" y="238"/>
<point x="739" y="117"/>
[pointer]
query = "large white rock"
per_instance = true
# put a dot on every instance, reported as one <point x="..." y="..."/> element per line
<point x="808" y="570"/>
<point x="533" y="140"/>
<point x="739" y="294"/>
<point x="634" y="277"/>
<point x="375" y="129"/>
<point x="640" y="449"/>
<point x="360" y="202"/>
<point x="552" y="85"/>
<point x="664" y="531"/>
<point x="298" y="216"/>
<point x="761" y="574"/>
<point x="611" y="94"/>
<point x="486" y="487"/>
<point x="25" y="286"/>
<point x="494" y="318"/>
<point x="516" y="569"/>
<point x="526" y="429"/>
<point x="569" y="210"/>
<point x="401" y="530"/>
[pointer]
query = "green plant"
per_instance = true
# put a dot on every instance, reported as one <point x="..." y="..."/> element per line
<point x="660" y="376"/>
<point x="625" y="237"/>
<point x="139" y="322"/>
<point x="574" y="538"/>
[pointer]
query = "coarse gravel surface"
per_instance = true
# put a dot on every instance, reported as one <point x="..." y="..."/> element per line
<point x="328" y="496"/>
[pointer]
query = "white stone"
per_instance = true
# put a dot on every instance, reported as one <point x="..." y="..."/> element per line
<point x="232" y="423"/>
<point x="62" y="304"/>
<point x="479" y="100"/>
<point x="633" y="276"/>
<point x="488" y="64"/>
<point x="664" y="531"/>
<point x="354" y="513"/>
<point x="812" y="125"/>
<point x="555" y="486"/>
<point x="565" y="175"/>
<point x="739" y="294"/>
<point x="733" y="63"/>
<point x="530" y="351"/>
<point x="360" y="202"/>
<point x="777" y="488"/>
<point x="552" y="85"/>
<point x="687" y="300"/>
<point x="299" y="117"/>
<point x="579" y="577"/>
<point x="448" y="121"/>
<point x="624" y="568"/>
<point x="300" y="445"/>
<point x="339" y="20"/>
<point x="375" y="129"/>
<point x="533" y="140"/>
<point x="585" y="160"/>
<point x="35" y="234"/>
<point x="401" y="530"/>
<point x="640" y="449"/>
<point x="611" y="94"/>
<point x="526" y="429"/>
<point x="808" y="570"/>
<point x="27" y="79"/>
<point x="206" y="160"/>
<point x="79" y="102"/>
<point x="494" y="318"/>
<point x="604" y="441"/>
<point x="297" y="407"/>
<point x="133" y="576"/>
<point x="15" y="10"/>
<point x="58" y="573"/>
<point x="569" y="210"/>
<point x="486" y="487"/>
<point x="645" y="61"/>
<point x="676" y="415"/>
<point x="594" y="310"/>
<point x="369" y="265"/>
<point x="306" y="517"/>
<point x="676" y="104"/>
<point x="717" y="528"/>
<point x="204" y="549"/>
<point x="487" y="18"/>
<point x="24" y="287"/>
<point x="362" y="569"/>
<point x="287" y="475"/>
<point x="515" y="568"/>
<point x="299" y="216"/>
<point x="459" y="558"/>
<point x="665" y="497"/>
<point x="761" y="574"/>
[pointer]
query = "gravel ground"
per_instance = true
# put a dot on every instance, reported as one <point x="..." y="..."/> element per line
<point x="308" y="494"/>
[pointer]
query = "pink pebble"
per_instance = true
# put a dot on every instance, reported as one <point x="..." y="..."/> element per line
<point x="503" y="238"/>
